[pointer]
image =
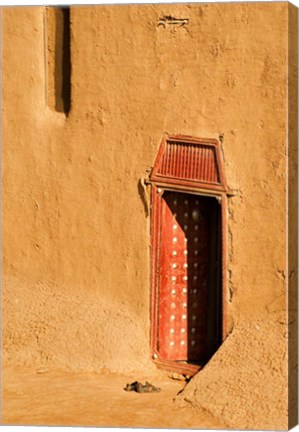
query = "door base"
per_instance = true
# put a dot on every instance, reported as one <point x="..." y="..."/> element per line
<point x="182" y="368"/>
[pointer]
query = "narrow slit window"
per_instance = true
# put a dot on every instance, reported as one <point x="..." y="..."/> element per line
<point x="58" y="58"/>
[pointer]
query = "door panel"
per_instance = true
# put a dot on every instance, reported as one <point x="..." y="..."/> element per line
<point x="188" y="262"/>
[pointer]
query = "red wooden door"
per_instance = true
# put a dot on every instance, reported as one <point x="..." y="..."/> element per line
<point x="184" y="273"/>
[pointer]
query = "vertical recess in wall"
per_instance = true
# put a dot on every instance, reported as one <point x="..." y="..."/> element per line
<point x="58" y="58"/>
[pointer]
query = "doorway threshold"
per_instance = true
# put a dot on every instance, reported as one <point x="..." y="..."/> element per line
<point x="181" y="367"/>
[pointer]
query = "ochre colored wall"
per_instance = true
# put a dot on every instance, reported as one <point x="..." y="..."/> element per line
<point x="76" y="235"/>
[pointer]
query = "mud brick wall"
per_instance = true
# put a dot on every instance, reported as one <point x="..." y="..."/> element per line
<point x="75" y="230"/>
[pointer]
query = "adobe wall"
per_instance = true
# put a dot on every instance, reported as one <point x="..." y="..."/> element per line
<point x="75" y="231"/>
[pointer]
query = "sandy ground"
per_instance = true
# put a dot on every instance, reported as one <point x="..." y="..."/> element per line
<point x="55" y="397"/>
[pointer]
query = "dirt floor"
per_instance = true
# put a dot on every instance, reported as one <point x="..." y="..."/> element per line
<point x="55" y="397"/>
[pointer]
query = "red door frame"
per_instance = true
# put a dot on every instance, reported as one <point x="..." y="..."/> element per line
<point x="157" y="192"/>
<point x="161" y="182"/>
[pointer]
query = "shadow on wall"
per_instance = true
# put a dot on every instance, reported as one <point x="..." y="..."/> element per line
<point x="143" y="191"/>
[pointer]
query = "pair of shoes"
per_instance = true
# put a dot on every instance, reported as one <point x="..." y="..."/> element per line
<point x="140" y="388"/>
<point x="131" y="387"/>
<point x="147" y="388"/>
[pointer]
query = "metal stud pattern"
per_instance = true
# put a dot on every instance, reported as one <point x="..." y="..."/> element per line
<point x="183" y="277"/>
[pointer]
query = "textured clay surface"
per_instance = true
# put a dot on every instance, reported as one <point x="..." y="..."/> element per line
<point x="56" y="397"/>
<point x="76" y="233"/>
<point x="253" y="379"/>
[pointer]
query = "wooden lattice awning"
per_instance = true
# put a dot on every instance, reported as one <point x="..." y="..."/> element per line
<point x="187" y="161"/>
